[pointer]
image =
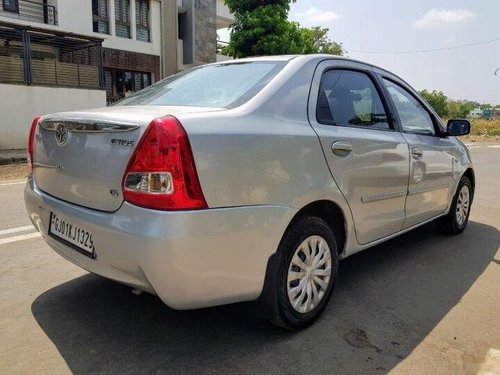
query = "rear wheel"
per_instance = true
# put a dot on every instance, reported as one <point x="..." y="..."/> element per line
<point x="456" y="220"/>
<point x="306" y="273"/>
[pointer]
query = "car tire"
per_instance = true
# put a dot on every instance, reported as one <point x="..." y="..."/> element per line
<point x="458" y="216"/>
<point x="308" y="249"/>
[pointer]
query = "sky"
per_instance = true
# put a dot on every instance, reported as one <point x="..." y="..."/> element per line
<point x="380" y="31"/>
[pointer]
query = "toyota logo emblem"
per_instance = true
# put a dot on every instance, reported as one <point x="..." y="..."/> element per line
<point x="61" y="134"/>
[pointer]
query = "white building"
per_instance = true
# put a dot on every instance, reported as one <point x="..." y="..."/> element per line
<point x="476" y="113"/>
<point x="58" y="55"/>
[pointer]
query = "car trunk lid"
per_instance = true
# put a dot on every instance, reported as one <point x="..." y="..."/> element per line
<point x="80" y="157"/>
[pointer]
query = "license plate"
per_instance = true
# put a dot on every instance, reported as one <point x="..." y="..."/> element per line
<point x="73" y="235"/>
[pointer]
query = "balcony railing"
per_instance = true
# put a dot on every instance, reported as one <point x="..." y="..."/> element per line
<point x="41" y="57"/>
<point x="33" y="11"/>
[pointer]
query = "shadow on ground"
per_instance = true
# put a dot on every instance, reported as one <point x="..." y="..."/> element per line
<point x="386" y="302"/>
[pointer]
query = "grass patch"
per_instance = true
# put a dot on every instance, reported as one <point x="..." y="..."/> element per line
<point x="485" y="128"/>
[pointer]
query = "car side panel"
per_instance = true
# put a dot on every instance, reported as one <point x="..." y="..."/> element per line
<point x="257" y="165"/>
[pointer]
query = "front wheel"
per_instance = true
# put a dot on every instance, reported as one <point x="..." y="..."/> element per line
<point x="306" y="273"/>
<point x="456" y="220"/>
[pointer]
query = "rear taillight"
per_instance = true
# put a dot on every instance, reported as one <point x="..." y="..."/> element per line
<point x="31" y="143"/>
<point x="161" y="173"/>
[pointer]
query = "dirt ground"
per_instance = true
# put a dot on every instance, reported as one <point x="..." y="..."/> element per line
<point x="480" y="139"/>
<point x="13" y="172"/>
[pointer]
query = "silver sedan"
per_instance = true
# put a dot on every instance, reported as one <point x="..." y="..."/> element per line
<point x="246" y="180"/>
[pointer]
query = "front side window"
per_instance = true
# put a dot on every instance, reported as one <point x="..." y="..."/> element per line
<point x="122" y="18"/>
<point x="10" y="6"/>
<point x="217" y="85"/>
<point x="349" y="98"/>
<point x="142" y="20"/>
<point x="413" y="116"/>
<point x="100" y="20"/>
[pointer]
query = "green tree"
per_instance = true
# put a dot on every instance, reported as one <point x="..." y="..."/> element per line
<point x="315" y="40"/>
<point x="437" y="100"/>
<point x="466" y="108"/>
<point x="448" y="108"/>
<point x="453" y="109"/>
<point x="459" y="108"/>
<point x="261" y="27"/>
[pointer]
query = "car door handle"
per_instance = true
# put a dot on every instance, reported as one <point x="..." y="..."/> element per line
<point x="341" y="148"/>
<point x="417" y="153"/>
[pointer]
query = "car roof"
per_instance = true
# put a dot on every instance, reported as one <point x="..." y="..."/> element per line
<point x="261" y="58"/>
<point x="307" y="57"/>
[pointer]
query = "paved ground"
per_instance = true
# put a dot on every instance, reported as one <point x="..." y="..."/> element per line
<point x="420" y="304"/>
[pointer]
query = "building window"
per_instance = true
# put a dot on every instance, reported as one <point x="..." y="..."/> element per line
<point x="120" y="84"/>
<point x="100" y="19"/>
<point x="142" y="20"/>
<point x="11" y="6"/>
<point x="122" y="18"/>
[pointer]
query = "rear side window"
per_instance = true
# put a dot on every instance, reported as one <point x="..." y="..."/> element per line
<point x="350" y="98"/>
<point x="414" y="117"/>
<point x="218" y="85"/>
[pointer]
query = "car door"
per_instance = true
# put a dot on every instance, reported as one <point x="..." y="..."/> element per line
<point x="368" y="159"/>
<point x="431" y="155"/>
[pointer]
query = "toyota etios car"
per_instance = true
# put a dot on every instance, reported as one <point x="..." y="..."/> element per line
<point x="246" y="179"/>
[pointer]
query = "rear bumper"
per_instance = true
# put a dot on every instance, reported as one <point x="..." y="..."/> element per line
<point x="189" y="259"/>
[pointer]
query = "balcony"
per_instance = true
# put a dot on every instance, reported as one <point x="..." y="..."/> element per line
<point x="29" y="10"/>
<point x="39" y="57"/>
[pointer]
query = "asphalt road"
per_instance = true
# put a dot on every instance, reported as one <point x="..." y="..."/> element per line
<point x="423" y="303"/>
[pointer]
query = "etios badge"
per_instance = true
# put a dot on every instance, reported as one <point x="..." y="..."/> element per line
<point x="61" y="134"/>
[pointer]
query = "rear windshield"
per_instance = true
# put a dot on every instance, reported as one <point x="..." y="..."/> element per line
<point x="218" y="86"/>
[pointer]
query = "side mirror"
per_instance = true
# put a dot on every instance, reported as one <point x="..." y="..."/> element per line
<point x="456" y="128"/>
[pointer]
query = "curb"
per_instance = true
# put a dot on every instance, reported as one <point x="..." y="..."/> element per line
<point x="12" y="157"/>
<point x="14" y="160"/>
